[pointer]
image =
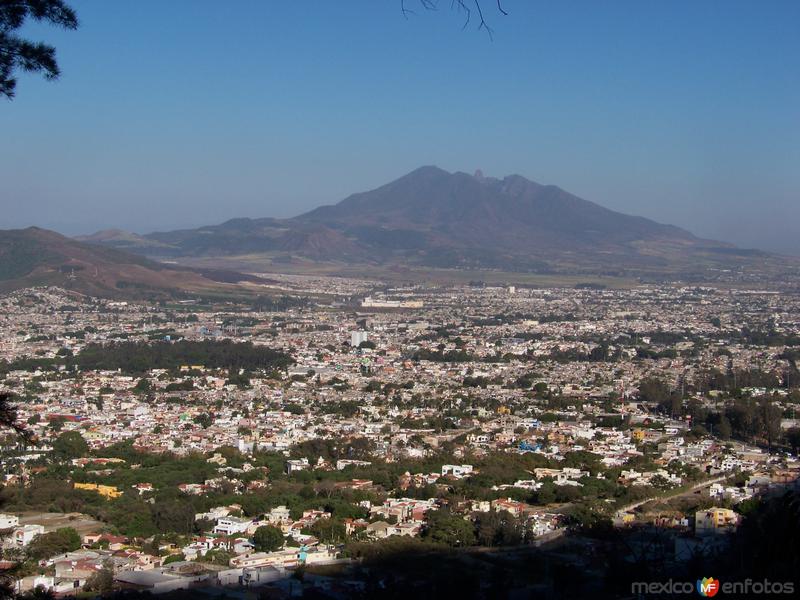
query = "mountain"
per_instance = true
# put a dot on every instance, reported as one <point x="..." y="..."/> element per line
<point x="120" y="239"/>
<point x="464" y="220"/>
<point x="36" y="257"/>
<point x="434" y="218"/>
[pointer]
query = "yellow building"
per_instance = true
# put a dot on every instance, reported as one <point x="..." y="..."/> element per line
<point x="107" y="491"/>
<point x="715" y="520"/>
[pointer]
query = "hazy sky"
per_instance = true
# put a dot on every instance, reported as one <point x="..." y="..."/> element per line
<point x="183" y="113"/>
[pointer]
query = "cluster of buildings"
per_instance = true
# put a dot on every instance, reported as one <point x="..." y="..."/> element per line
<point x="413" y="372"/>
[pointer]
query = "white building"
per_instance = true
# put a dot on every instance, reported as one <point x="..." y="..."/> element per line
<point x="232" y="525"/>
<point x="213" y="514"/>
<point x="357" y="337"/>
<point x="22" y="536"/>
<point x="457" y="471"/>
<point x="279" y="514"/>
<point x="292" y="466"/>
<point x="8" y="521"/>
<point x="252" y="576"/>
<point x="342" y="463"/>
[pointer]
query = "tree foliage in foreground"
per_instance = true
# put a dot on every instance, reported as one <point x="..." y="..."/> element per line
<point x="17" y="53"/>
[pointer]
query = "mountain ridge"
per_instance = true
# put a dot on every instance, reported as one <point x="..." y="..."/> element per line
<point x="34" y="257"/>
<point x="433" y="218"/>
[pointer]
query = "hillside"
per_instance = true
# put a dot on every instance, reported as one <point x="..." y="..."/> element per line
<point x="35" y="257"/>
<point x="433" y="218"/>
<point x="472" y="221"/>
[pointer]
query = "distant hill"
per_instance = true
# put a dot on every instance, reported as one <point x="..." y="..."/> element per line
<point x="434" y="218"/>
<point x="120" y="239"/>
<point x="35" y="257"/>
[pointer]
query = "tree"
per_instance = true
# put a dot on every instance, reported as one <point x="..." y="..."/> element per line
<point x="17" y="53"/>
<point x="583" y="459"/>
<point x="101" y="581"/>
<point x="174" y="558"/>
<point x="39" y="593"/>
<point x="546" y="494"/>
<point x="173" y="516"/>
<point x="70" y="444"/>
<point x="329" y="531"/>
<point x="675" y="405"/>
<point x="654" y="390"/>
<point x="725" y="430"/>
<point x="204" y="420"/>
<point x="268" y="539"/>
<point x="495" y="528"/>
<point x="465" y="7"/>
<point x="140" y="357"/>
<point x="660" y="482"/>
<point x="793" y="438"/>
<point x="218" y="557"/>
<point x="771" y="417"/>
<point x="446" y="528"/>
<point x="589" y="519"/>
<point x="56" y="542"/>
<point x="8" y="418"/>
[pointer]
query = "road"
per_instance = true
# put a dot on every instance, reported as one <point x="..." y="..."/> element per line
<point x="51" y="521"/>
<point x="691" y="490"/>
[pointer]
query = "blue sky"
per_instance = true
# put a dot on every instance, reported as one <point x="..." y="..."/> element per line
<point x="179" y="113"/>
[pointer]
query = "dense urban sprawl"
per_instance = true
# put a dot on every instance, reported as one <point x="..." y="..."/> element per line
<point x="188" y="443"/>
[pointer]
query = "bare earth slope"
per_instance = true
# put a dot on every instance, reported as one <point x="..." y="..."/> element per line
<point x="34" y="257"/>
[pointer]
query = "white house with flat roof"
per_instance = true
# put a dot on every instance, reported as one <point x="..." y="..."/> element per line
<point x="232" y="525"/>
<point x="22" y="536"/>
<point x="8" y="521"/>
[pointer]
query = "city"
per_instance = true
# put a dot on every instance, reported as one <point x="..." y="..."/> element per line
<point x="221" y="443"/>
<point x="428" y="299"/>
